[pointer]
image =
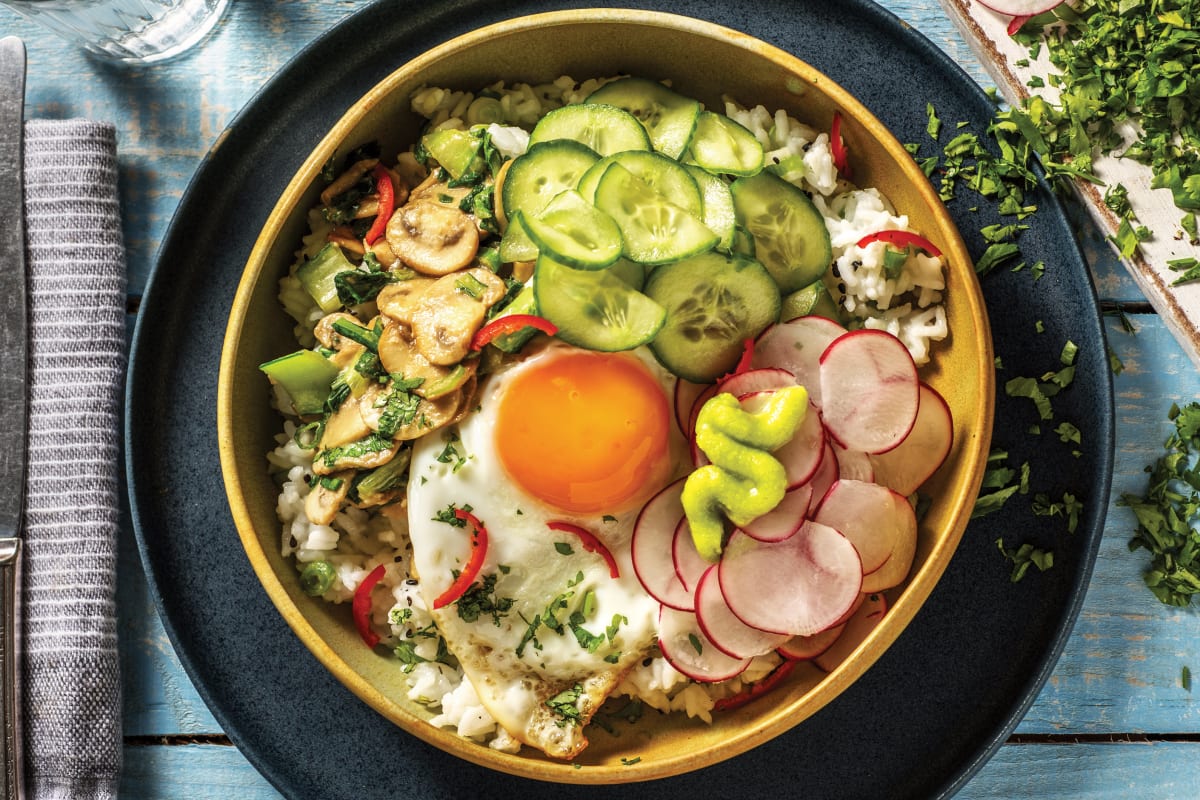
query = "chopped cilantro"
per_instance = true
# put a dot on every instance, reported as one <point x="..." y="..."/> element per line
<point x="1168" y="514"/>
<point x="1023" y="556"/>
<point x="564" y="549"/>
<point x="565" y="705"/>
<point x="481" y="599"/>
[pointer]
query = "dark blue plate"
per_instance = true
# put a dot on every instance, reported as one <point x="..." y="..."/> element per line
<point x="939" y="702"/>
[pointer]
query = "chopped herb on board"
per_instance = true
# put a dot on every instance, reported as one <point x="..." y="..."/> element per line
<point x="1185" y="678"/>
<point x="1120" y="62"/>
<point x="1168" y="514"/>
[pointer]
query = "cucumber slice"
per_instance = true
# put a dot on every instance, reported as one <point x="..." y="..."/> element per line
<point x="603" y="128"/>
<point x="574" y="232"/>
<point x="790" y="237"/>
<point x="595" y="309"/>
<point x="669" y="117"/>
<point x="722" y="145"/>
<point x="667" y="177"/>
<point x="714" y="303"/>
<point x="654" y="229"/>
<point x="717" y="206"/>
<point x="631" y="272"/>
<point x="813" y="299"/>
<point x="542" y="173"/>
<point x="516" y="244"/>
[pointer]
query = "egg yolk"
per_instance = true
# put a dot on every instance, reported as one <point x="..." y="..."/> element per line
<point x="585" y="432"/>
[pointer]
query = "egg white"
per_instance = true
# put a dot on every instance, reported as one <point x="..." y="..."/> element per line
<point x="459" y="467"/>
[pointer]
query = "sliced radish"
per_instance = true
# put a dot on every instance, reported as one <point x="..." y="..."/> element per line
<point x="871" y="516"/>
<point x="802" y="454"/>
<point x="858" y="627"/>
<point x="797" y="346"/>
<point x="689" y="650"/>
<point x="698" y="457"/>
<point x="761" y="379"/>
<point x="728" y="633"/>
<point x="806" y="648"/>
<point x="798" y="586"/>
<point x="686" y="394"/>
<point x="689" y="564"/>
<point x="783" y="520"/>
<point x="896" y="568"/>
<point x="1025" y="8"/>
<point x="651" y="546"/>
<point x="854" y="464"/>
<point x="823" y="478"/>
<point x="912" y="462"/>
<point x="869" y="390"/>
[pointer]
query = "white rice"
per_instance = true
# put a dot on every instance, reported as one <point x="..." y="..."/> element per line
<point x="356" y="542"/>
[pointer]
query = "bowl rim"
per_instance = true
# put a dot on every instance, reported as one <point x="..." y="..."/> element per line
<point x="781" y="717"/>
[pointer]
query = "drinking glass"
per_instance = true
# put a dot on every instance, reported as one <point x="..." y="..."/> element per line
<point x="130" y="31"/>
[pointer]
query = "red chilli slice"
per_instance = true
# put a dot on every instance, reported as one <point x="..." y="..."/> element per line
<point x="387" y="204"/>
<point x="591" y="543"/>
<point x="360" y="606"/>
<point x="755" y="690"/>
<point x="511" y="324"/>
<point x="901" y="239"/>
<point x="479" y="547"/>
<point x="837" y="146"/>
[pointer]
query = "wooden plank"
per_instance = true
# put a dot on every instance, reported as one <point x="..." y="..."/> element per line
<point x="1093" y="771"/>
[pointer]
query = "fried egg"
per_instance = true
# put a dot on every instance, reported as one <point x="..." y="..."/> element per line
<point x="562" y="436"/>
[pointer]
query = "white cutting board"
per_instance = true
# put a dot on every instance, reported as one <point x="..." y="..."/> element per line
<point x="1179" y="306"/>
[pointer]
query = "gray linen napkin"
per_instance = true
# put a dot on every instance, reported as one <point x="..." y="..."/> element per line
<point x="72" y="686"/>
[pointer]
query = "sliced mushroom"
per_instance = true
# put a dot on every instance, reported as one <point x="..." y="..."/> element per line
<point x="438" y="191"/>
<point x="450" y="312"/>
<point x="468" y="401"/>
<point x="346" y="351"/>
<point x="399" y="355"/>
<point x="367" y="453"/>
<point x="347" y="179"/>
<point x="523" y="270"/>
<point x="397" y="301"/>
<point x="384" y="255"/>
<point x="345" y="425"/>
<point x="431" y="238"/>
<point x="431" y="415"/>
<point x="325" y="498"/>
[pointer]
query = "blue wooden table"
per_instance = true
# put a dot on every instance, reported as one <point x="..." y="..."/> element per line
<point x="1114" y="721"/>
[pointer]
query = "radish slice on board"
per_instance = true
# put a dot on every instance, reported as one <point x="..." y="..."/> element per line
<point x="689" y="564"/>
<point x="1021" y="8"/>
<point x="857" y="628"/>
<point x="728" y="633"/>
<point x="806" y="648"/>
<point x="689" y="650"/>
<point x="797" y="346"/>
<point x="898" y="564"/>
<point x="651" y="545"/>
<point x="785" y="519"/>
<point x="872" y="517"/>
<point x="869" y="390"/>
<point x="686" y="393"/>
<point x="907" y="466"/>
<point x="798" y="586"/>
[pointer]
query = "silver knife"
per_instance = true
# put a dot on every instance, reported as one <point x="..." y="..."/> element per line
<point x="14" y="402"/>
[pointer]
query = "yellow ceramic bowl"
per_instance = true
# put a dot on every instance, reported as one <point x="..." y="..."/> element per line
<point x="538" y="49"/>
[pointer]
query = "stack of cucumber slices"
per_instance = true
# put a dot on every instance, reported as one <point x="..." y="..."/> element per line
<point x="653" y="221"/>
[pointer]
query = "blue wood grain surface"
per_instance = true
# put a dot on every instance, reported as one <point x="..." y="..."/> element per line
<point x="1114" y="721"/>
